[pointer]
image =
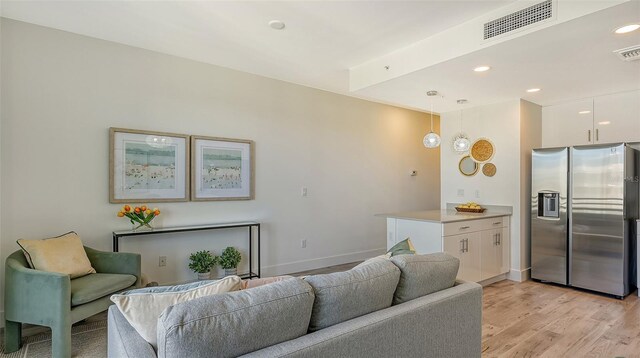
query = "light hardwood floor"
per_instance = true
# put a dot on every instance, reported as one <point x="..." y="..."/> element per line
<point x="533" y="319"/>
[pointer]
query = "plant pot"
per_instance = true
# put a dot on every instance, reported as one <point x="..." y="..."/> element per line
<point x="230" y="272"/>
<point x="142" y="227"/>
<point x="204" y="276"/>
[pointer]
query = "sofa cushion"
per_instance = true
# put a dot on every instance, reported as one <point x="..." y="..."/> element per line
<point x="235" y="323"/>
<point x="256" y="282"/>
<point x="97" y="285"/>
<point x="342" y="296"/>
<point x="63" y="254"/>
<point x="143" y="306"/>
<point x="424" y="274"/>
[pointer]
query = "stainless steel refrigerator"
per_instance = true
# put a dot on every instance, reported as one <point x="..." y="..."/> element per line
<point x="584" y="202"/>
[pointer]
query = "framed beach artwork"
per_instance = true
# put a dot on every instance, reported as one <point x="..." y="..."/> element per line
<point x="221" y="169"/>
<point x="148" y="166"/>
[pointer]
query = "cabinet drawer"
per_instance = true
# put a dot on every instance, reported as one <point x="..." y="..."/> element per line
<point x="494" y="223"/>
<point x="461" y="227"/>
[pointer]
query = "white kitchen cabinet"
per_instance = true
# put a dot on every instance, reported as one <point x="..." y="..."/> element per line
<point x="467" y="248"/>
<point x="568" y="124"/>
<point x="481" y="245"/>
<point x="605" y="119"/>
<point x="616" y="117"/>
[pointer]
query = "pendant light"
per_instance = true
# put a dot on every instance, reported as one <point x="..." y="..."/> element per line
<point x="461" y="142"/>
<point x="431" y="140"/>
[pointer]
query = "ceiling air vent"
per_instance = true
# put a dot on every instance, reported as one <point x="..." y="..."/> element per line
<point x="629" y="54"/>
<point x="519" y="19"/>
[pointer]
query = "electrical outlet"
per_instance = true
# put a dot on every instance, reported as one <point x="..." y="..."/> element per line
<point x="304" y="191"/>
<point x="461" y="192"/>
<point x="303" y="243"/>
<point x="477" y="193"/>
<point x="162" y="261"/>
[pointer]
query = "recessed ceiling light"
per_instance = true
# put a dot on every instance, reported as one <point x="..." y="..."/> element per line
<point x="627" y="28"/>
<point x="482" y="68"/>
<point x="584" y="112"/>
<point x="604" y="123"/>
<point x="531" y="90"/>
<point x="276" y="24"/>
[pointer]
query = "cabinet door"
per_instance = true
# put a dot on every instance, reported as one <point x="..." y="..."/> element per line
<point x="466" y="247"/>
<point x="617" y="117"/>
<point x="491" y="253"/>
<point x="472" y="257"/>
<point x="568" y="124"/>
<point x="505" y="249"/>
<point x="454" y="246"/>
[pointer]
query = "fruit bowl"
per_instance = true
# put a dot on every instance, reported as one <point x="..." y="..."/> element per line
<point x="470" y="210"/>
<point x="470" y="207"/>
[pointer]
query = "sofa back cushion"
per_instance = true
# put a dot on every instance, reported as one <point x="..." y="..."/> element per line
<point x="143" y="306"/>
<point x="424" y="274"/>
<point x="342" y="296"/>
<point x="236" y="323"/>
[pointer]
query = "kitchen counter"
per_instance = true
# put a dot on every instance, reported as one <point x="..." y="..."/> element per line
<point x="449" y="215"/>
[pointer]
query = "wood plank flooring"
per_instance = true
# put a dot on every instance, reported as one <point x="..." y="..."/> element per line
<point x="531" y="319"/>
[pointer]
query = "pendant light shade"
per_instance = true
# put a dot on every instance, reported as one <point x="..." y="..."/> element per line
<point x="432" y="139"/>
<point x="461" y="142"/>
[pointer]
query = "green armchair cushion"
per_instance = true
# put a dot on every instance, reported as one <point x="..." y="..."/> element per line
<point x="97" y="285"/>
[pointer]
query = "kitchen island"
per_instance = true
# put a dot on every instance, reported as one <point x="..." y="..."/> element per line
<point x="479" y="240"/>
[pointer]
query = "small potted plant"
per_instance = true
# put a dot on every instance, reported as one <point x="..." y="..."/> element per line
<point x="229" y="261"/>
<point x="201" y="263"/>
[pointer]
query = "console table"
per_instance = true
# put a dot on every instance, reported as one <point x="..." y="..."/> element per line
<point x="250" y="225"/>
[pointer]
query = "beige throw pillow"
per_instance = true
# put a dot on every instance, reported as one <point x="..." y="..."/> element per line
<point x="143" y="306"/>
<point x="63" y="254"/>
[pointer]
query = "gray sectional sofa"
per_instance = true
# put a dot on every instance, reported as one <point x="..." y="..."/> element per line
<point x="409" y="306"/>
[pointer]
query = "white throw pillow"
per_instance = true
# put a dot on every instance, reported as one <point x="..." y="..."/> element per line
<point x="143" y="306"/>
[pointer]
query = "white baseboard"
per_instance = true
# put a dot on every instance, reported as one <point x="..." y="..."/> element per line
<point x="519" y="275"/>
<point x="304" y="265"/>
<point x="489" y="281"/>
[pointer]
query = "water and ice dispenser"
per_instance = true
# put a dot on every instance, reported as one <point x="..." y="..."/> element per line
<point x="549" y="204"/>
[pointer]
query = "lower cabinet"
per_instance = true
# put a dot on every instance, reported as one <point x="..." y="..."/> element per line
<point x="467" y="248"/>
<point x="481" y="245"/>
<point x="483" y="253"/>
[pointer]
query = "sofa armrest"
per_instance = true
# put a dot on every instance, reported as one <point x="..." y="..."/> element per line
<point x="446" y="323"/>
<point x="25" y="289"/>
<point x="115" y="262"/>
<point x="123" y="341"/>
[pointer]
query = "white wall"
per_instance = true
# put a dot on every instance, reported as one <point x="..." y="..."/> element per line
<point x="61" y="92"/>
<point x="500" y="123"/>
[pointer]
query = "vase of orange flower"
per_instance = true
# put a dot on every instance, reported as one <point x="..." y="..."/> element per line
<point x="140" y="216"/>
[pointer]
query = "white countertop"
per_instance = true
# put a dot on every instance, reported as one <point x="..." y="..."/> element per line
<point x="446" y="216"/>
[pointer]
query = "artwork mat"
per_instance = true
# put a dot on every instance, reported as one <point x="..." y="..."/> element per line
<point x="182" y="176"/>
<point x="196" y="175"/>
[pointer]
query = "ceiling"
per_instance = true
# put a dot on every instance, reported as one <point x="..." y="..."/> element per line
<point x="324" y="39"/>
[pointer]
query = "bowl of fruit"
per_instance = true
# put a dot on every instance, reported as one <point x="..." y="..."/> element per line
<point x="470" y="207"/>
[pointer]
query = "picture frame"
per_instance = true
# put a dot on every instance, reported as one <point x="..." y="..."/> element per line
<point x="147" y="167"/>
<point x="222" y="169"/>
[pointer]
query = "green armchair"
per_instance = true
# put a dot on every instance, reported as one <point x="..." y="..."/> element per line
<point x="54" y="300"/>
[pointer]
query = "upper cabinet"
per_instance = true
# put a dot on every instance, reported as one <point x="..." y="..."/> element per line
<point x="616" y="118"/>
<point x="605" y="119"/>
<point x="567" y="124"/>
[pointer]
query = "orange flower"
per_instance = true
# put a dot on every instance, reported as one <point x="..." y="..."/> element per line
<point x="143" y="208"/>
<point x="156" y="213"/>
<point x="120" y="214"/>
<point x="126" y="208"/>
<point x="137" y="210"/>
